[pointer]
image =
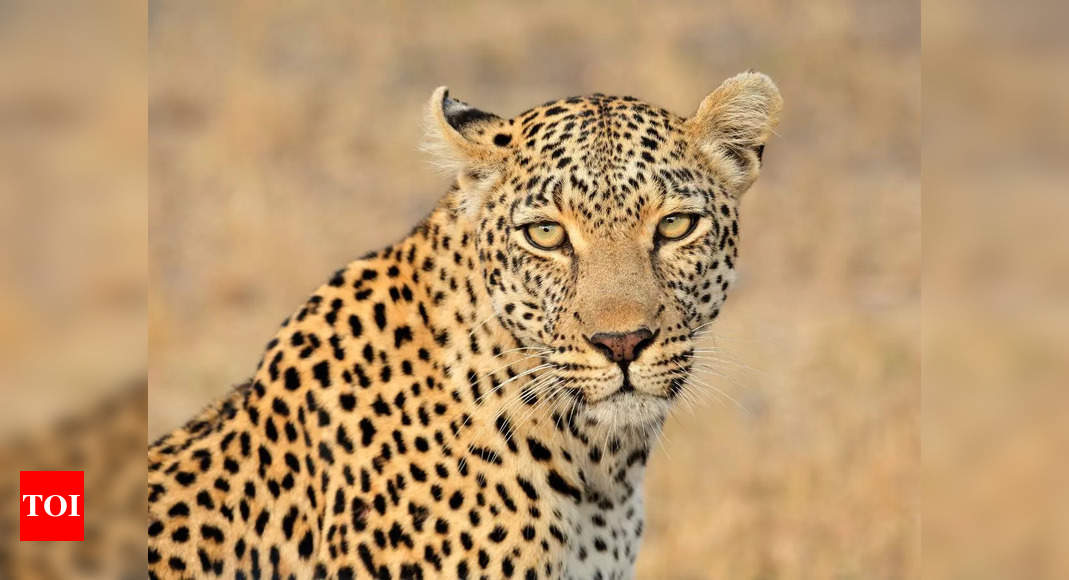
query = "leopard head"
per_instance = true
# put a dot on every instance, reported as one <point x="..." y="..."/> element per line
<point x="607" y="231"/>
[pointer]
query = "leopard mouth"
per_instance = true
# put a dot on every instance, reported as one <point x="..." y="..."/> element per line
<point x="629" y="407"/>
<point x="632" y="394"/>
<point x="627" y="388"/>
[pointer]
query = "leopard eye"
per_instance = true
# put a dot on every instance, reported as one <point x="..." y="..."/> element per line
<point x="545" y="235"/>
<point x="676" y="226"/>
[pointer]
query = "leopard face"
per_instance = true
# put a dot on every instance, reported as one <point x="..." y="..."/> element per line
<point x="607" y="234"/>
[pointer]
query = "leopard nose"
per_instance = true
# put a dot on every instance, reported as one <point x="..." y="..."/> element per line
<point x="622" y="347"/>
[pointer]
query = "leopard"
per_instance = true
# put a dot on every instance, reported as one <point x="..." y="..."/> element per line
<point x="480" y="398"/>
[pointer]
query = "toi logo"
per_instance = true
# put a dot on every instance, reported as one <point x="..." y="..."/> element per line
<point x="51" y="506"/>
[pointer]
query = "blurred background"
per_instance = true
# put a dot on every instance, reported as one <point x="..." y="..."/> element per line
<point x="995" y="286"/>
<point x="283" y="143"/>
<point x="73" y="276"/>
<point x="280" y="141"/>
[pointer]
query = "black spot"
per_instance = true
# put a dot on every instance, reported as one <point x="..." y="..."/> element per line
<point x="538" y="451"/>
<point x="305" y="547"/>
<point x="557" y="534"/>
<point x="401" y="335"/>
<point x="505" y="497"/>
<point x="498" y="534"/>
<point x="355" y="326"/>
<point x="380" y="407"/>
<point x="487" y="455"/>
<point x="211" y="533"/>
<point x="358" y="510"/>
<point x="293" y="463"/>
<point x="560" y="485"/>
<point x="367" y="430"/>
<point x="293" y="380"/>
<point x="181" y="535"/>
<point x="261" y="522"/>
<point x="502" y="139"/>
<point x="344" y="440"/>
<point x="265" y="456"/>
<point x="325" y="453"/>
<point x="321" y="372"/>
<point x="380" y="315"/>
<point x="204" y="499"/>
<point x="527" y="488"/>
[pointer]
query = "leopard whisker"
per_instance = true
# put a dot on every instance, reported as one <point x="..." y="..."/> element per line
<point x="481" y="324"/>
<point x="515" y="362"/>
<point x="515" y="402"/>
<point x="504" y="406"/>
<point x="722" y="393"/>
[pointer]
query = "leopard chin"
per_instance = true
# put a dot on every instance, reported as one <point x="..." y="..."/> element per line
<point x="629" y="409"/>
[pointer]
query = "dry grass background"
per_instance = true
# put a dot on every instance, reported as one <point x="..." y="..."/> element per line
<point x="282" y="143"/>
<point x="996" y="278"/>
<point x="72" y="208"/>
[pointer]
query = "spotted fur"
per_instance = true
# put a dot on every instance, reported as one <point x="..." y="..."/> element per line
<point x="438" y="408"/>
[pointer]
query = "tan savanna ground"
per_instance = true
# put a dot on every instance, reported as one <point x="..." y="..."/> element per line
<point x="283" y="143"/>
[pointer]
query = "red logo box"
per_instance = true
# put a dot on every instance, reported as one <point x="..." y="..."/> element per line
<point x="51" y="506"/>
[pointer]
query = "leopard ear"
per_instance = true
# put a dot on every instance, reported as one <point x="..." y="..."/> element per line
<point x="461" y="137"/>
<point x="732" y="125"/>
